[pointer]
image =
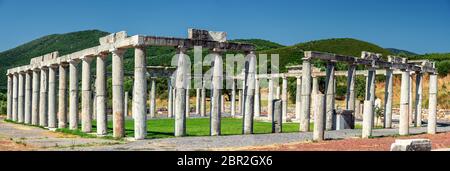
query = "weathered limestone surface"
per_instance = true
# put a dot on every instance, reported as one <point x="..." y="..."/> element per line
<point x="367" y="119"/>
<point x="86" y="119"/>
<point x="52" y="122"/>
<point x="35" y="100"/>
<point x="319" y="117"/>
<point x="411" y="145"/>
<point x="62" y="96"/>
<point x="284" y="98"/>
<point x="43" y="105"/>
<point x="418" y="102"/>
<point x="404" y="104"/>
<point x="306" y="96"/>
<point x="180" y="97"/>
<point x="15" y="96"/>
<point x="153" y="98"/>
<point x="233" y="98"/>
<point x="330" y="95"/>
<point x="28" y="78"/>
<point x="21" y="98"/>
<point x="269" y="99"/>
<point x="203" y="102"/>
<point x="118" y="93"/>
<point x="388" y="99"/>
<point x="9" y="97"/>
<point x="73" y="88"/>
<point x="140" y="94"/>
<point x="249" y="94"/>
<point x="277" y="118"/>
<point x="215" y="98"/>
<point x="298" y="98"/>
<point x="257" y="105"/>
<point x="351" y="79"/>
<point x="101" y="95"/>
<point x="432" y="104"/>
<point x="197" y="101"/>
<point x="170" y="99"/>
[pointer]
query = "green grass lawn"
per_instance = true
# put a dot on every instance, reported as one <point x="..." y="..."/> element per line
<point x="164" y="128"/>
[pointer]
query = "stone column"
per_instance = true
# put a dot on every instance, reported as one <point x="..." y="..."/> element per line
<point x="370" y="92"/>
<point x="351" y="79"/>
<point x="21" y="97"/>
<point x="367" y="119"/>
<point x="52" y="122"/>
<point x="188" y="105"/>
<point x="118" y="93"/>
<point x="140" y="94"/>
<point x="28" y="93"/>
<point x="153" y="98"/>
<point x="203" y="101"/>
<point x="298" y="95"/>
<point x="28" y="79"/>
<point x="277" y="123"/>
<point x="62" y="96"/>
<point x="222" y="103"/>
<point x="9" y="97"/>
<point x="270" y="99"/>
<point x="86" y="118"/>
<point x="73" y="90"/>
<point x="170" y="99"/>
<point x="43" y="105"/>
<point x="257" y="99"/>
<point x="410" y="109"/>
<point x="306" y="95"/>
<point x="233" y="98"/>
<point x="319" y="118"/>
<point x="100" y="92"/>
<point x="388" y="99"/>
<point x="125" y="105"/>
<point x="249" y="93"/>
<point x="404" y="103"/>
<point x="216" y="89"/>
<point x="240" y="102"/>
<point x="418" y="103"/>
<point x="197" y="101"/>
<point x="329" y="92"/>
<point x="284" y="98"/>
<point x="35" y="100"/>
<point x="315" y="90"/>
<point x="15" y="96"/>
<point x="180" y="97"/>
<point x="278" y="92"/>
<point x="432" y="104"/>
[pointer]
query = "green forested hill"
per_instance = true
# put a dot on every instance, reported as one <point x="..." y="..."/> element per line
<point x="291" y="55"/>
<point x="400" y="52"/>
<point x="64" y="43"/>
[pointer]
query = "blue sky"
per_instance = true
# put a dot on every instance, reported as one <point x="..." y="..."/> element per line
<point x="421" y="26"/>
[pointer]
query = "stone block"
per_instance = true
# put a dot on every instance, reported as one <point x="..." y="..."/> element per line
<point x="112" y="38"/>
<point x="196" y="34"/>
<point x="345" y="119"/>
<point x="411" y="145"/>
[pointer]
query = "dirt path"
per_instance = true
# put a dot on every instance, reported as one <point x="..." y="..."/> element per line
<point x="16" y="137"/>
<point x="439" y="141"/>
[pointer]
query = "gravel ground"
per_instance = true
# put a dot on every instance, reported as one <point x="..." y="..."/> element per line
<point x="41" y="139"/>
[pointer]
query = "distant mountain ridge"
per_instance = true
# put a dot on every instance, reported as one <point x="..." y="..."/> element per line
<point x="75" y="41"/>
<point x="400" y="52"/>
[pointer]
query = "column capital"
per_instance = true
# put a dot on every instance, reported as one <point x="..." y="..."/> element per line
<point x="87" y="58"/>
<point x="53" y="66"/>
<point x="118" y="52"/>
<point x="74" y="61"/>
<point x="102" y="55"/>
